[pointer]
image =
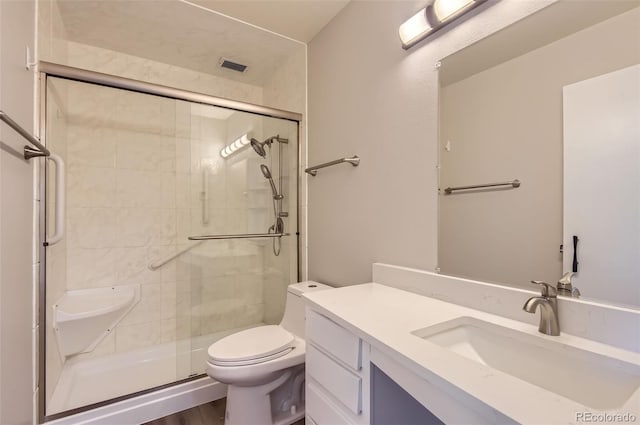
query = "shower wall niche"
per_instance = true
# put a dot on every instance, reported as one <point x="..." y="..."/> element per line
<point x="144" y="173"/>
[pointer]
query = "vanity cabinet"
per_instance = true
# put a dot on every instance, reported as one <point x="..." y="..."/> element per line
<point x="379" y="355"/>
<point x="350" y="382"/>
<point x="337" y="373"/>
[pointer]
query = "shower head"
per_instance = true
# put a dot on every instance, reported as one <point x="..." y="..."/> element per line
<point x="259" y="147"/>
<point x="267" y="175"/>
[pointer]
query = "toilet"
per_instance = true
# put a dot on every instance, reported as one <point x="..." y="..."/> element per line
<point x="264" y="366"/>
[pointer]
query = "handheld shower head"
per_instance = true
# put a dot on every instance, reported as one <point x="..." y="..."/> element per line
<point x="267" y="175"/>
<point x="266" y="172"/>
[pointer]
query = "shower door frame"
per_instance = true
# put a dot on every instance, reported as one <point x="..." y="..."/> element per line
<point x="48" y="69"/>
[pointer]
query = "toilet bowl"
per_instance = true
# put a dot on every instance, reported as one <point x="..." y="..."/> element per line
<point x="264" y="366"/>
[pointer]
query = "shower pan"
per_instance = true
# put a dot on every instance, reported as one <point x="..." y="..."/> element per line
<point x="169" y="246"/>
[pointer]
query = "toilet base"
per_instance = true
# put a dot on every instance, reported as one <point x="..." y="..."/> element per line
<point x="278" y="402"/>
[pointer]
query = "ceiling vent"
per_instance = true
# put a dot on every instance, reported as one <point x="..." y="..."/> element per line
<point x="234" y="66"/>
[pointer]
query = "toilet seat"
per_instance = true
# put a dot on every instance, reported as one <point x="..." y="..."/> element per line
<point x="251" y="346"/>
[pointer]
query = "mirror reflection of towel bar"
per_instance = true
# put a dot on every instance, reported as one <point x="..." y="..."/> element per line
<point x="514" y="183"/>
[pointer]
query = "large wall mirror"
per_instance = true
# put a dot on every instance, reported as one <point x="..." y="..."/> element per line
<point x="554" y="102"/>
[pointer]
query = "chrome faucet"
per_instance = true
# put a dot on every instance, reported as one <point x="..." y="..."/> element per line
<point x="566" y="288"/>
<point x="548" y="304"/>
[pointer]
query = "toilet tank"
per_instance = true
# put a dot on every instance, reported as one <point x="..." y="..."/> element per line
<point x="293" y="319"/>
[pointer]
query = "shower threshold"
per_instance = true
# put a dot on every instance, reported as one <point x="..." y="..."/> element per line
<point x="87" y="381"/>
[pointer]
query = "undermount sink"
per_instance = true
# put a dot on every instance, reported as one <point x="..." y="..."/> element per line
<point x="591" y="379"/>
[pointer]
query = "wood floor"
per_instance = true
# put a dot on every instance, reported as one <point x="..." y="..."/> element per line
<point x="206" y="414"/>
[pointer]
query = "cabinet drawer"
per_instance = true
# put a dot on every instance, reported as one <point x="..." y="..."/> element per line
<point x="334" y="339"/>
<point x="344" y="385"/>
<point x="320" y="409"/>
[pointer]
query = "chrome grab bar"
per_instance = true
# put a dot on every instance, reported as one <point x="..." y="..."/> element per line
<point x="200" y="239"/>
<point x="354" y="160"/>
<point x="29" y="152"/>
<point x="239" y="236"/>
<point x="513" y="183"/>
<point x="60" y="199"/>
<point x="157" y="264"/>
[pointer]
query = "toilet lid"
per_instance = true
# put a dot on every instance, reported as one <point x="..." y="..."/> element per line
<point x="250" y="344"/>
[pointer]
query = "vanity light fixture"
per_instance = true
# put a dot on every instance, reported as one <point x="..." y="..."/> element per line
<point x="434" y="16"/>
<point x="235" y="146"/>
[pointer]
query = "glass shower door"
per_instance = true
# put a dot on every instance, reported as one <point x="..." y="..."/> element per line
<point x="235" y="274"/>
<point x="108" y="302"/>
<point x="132" y="302"/>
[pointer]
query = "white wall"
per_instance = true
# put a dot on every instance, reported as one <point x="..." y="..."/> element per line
<point x="367" y="96"/>
<point x="16" y="201"/>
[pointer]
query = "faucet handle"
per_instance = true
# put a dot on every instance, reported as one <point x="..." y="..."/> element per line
<point x="565" y="282"/>
<point x="566" y="279"/>
<point x="547" y="290"/>
<point x="566" y="288"/>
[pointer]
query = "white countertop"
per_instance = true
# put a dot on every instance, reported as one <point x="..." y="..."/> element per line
<point x="385" y="317"/>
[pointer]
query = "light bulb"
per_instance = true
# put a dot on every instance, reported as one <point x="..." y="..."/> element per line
<point x="443" y="9"/>
<point x="414" y="27"/>
<point x="234" y="146"/>
<point x="436" y="15"/>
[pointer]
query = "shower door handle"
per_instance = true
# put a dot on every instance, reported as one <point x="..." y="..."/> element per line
<point x="59" y="200"/>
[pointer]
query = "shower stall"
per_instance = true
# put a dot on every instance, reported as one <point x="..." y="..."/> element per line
<point x="179" y="216"/>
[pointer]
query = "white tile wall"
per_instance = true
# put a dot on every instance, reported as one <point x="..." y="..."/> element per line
<point x="93" y="227"/>
<point x="90" y="186"/>
<point x="130" y="337"/>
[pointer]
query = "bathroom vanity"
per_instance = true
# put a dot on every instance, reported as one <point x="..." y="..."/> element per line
<point x="378" y="354"/>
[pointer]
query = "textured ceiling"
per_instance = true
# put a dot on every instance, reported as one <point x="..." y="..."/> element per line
<point x="298" y="19"/>
<point x="177" y="33"/>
